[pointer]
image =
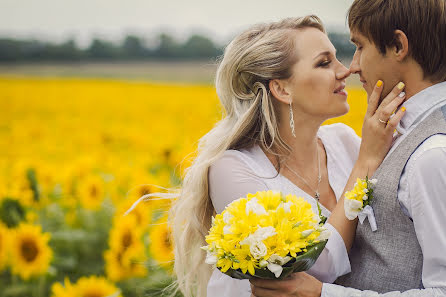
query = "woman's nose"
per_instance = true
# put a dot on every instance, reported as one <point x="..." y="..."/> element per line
<point x="343" y="72"/>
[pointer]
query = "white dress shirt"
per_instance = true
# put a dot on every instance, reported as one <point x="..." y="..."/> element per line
<point x="422" y="196"/>
<point x="248" y="171"/>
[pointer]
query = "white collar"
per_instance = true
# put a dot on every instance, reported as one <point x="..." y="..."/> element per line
<point x="421" y="103"/>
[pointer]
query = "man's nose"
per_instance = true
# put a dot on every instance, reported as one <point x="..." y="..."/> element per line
<point x="354" y="65"/>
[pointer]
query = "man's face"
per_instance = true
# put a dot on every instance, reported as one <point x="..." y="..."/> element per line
<point x="371" y="65"/>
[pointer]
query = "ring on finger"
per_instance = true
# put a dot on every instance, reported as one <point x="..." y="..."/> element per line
<point x="381" y="121"/>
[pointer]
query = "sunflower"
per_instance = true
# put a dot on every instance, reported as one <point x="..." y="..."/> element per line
<point x="22" y="188"/>
<point x="124" y="234"/>
<point x="113" y="267"/>
<point x="94" y="286"/>
<point x="161" y="244"/>
<point x="4" y="234"/>
<point x="126" y="254"/>
<point x="120" y="265"/>
<point x="142" y="212"/>
<point x="66" y="290"/>
<point x="91" y="192"/>
<point x="144" y="189"/>
<point x="154" y="203"/>
<point x="30" y="253"/>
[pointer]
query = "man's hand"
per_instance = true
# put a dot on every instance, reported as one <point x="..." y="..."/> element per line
<point x="298" y="284"/>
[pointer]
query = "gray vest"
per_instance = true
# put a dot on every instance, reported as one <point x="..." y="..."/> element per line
<point x="390" y="259"/>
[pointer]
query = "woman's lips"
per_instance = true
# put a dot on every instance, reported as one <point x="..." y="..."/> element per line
<point x="341" y="90"/>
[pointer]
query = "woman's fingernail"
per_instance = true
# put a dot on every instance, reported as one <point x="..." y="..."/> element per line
<point x="379" y="83"/>
<point x="402" y="94"/>
<point x="401" y="85"/>
<point x="403" y="109"/>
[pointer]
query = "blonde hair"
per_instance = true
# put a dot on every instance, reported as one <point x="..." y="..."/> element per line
<point x="250" y="61"/>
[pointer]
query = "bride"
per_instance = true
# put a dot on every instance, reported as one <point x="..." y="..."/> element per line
<point x="278" y="83"/>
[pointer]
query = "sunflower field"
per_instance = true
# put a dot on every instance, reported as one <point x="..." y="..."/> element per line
<point x="75" y="154"/>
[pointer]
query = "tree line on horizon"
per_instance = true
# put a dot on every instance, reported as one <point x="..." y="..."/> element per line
<point x="196" y="47"/>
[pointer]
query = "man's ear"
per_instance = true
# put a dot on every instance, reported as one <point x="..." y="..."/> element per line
<point x="279" y="89"/>
<point x="400" y="48"/>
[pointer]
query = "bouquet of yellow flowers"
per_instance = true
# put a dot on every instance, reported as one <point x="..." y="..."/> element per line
<point x="266" y="235"/>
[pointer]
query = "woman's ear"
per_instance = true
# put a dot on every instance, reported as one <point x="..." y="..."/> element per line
<point x="400" y="48"/>
<point x="279" y="90"/>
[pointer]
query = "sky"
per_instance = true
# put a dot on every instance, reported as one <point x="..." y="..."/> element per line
<point x="82" y="20"/>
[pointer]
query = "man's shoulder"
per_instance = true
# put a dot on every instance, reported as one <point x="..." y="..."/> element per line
<point x="430" y="155"/>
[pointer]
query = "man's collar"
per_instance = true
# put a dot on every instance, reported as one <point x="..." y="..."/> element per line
<point x="420" y="103"/>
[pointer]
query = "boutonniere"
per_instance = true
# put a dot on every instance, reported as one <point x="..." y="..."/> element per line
<point x="357" y="202"/>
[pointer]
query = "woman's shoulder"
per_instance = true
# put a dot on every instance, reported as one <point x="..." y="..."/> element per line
<point x="231" y="156"/>
<point x="244" y="156"/>
<point x="230" y="177"/>
<point x="229" y="161"/>
<point x="244" y="162"/>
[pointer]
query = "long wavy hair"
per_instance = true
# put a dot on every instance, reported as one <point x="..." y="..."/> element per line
<point x="256" y="56"/>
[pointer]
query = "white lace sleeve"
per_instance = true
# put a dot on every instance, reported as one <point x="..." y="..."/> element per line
<point x="231" y="178"/>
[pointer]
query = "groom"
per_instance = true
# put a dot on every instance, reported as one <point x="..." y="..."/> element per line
<point x="398" y="40"/>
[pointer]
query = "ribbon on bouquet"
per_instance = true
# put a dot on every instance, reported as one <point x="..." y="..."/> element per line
<point x="367" y="212"/>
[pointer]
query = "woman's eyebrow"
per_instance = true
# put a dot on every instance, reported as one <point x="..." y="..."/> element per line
<point x="325" y="53"/>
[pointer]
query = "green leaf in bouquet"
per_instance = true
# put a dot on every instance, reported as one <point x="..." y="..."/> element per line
<point x="300" y="263"/>
<point x="322" y="218"/>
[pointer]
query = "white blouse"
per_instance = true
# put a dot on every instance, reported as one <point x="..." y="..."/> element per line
<point x="238" y="173"/>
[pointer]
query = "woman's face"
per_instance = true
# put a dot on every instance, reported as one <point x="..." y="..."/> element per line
<point x="318" y="78"/>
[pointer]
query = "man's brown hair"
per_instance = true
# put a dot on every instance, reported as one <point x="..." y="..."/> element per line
<point x="423" y="22"/>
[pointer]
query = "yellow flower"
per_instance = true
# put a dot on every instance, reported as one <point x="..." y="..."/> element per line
<point x="94" y="286"/>
<point x="252" y="229"/>
<point x="4" y="246"/>
<point x="269" y="199"/>
<point x="125" y="258"/>
<point x="125" y="233"/>
<point x="225" y="263"/>
<point x="142" y="190"/>
<point x="142" y="212"/>
<point x="66" y="290"/>
<point x="21" y="190"/>
<point x="120" y="265"/>
<point x="161" y="244"/>
<point x="245" y="261"/>
<point x="154" y="203"/>
<point x="358" y="191"/>
<point x="30" y="253"/>
<point x="91" y="192"/>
